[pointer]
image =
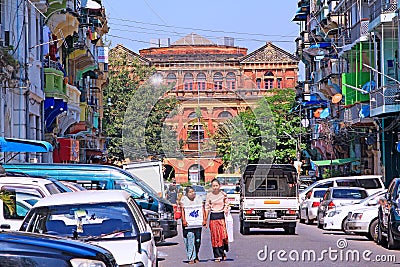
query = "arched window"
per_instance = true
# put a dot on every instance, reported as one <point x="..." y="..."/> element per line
<point x="195" y="132"/>
<point x="231" y="81"/>
<point x="192" y="115"/>
<point x="201" y="81"/>
<point x="188" y="81"/>
<point x="225" y="114"/>
<point x="218" y="78"/>
<point x="171" y="80"/>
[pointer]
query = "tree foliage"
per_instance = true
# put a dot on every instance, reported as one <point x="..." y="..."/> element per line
<point x="126" y="76"/>
<point x="145" y="133"/>
<point x="267" y="133"/>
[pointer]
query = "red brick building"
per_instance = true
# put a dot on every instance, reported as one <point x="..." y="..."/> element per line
<point x="218" y="81"/>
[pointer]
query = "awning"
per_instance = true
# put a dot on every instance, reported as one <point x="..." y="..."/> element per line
<point x="329" y="162"/>
<point x="62" y="25"/>
<point x="24" y="145"/>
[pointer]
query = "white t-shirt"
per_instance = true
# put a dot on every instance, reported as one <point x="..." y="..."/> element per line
<point x="193" y="211"/>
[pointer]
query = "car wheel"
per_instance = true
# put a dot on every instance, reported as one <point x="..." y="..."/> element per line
<point x="244" y="230"/>
<point x="344" y="226"/>
<point x="373" y="230"/>
<point x="300" y="218"/>
<point x="307" y="220"/>
<point x="319" y="225"/>
<point x="391" y="243"/>
<point x="380" y="240"/>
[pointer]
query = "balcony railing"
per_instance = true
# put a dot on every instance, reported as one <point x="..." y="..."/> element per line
<point x="352" y="115"/>
<point x="54" y="83"/>
<point x="383" y="100"/>
<point x="379" y="7"/>
<point x="335" y="67"/>
<point x="360" y="29"/>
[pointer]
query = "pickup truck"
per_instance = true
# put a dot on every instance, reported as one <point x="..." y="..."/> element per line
<point x="268" y="197"/>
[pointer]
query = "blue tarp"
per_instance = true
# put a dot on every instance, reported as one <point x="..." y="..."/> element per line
<point x="24" y="145"/>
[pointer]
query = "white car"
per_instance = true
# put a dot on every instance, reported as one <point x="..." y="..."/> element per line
<point x="336" y="218"/>
<point x="233" y="195"/>
<point x="309" y="206"/>
<point x="110" y="219"/>
<point x="363" y="222"/>
<point x="20" y="193"/>
<point x="336" y="197"/>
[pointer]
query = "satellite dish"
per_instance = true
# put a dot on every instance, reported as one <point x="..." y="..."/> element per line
<point x="317" y="113"/>
<point x="325" y="113"/>
<point x="305" y="123"/>
<point x="336" y="98"/>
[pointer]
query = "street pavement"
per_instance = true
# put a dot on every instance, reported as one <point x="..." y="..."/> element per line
<point x="284" y="250"/>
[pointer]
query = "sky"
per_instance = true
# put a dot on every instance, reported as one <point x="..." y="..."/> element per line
<point x="251" y="23"/>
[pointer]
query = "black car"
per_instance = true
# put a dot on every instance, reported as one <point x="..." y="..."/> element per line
<point x="27" y="249"/>
<point x="389" y="217"/>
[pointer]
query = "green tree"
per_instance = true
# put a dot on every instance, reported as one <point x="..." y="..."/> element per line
<point x="146" y="135"/>
<point x="125" y="75"/>
<point x="262" y="134"/>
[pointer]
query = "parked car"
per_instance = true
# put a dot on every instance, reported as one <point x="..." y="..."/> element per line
<point x="110" y="219"/>
<point x="28" y="249"/>
<point x="74" y="187"/>
<point x="337" y="217"/>
<point x="372" y="183"/>
<point x="363" y="221"/>
<point x="309" y="206"/>
<point x="389" y="217"/>
<point x="19" y="194"/>
<point x="200" y="191"/>
<point x="233" y="193"/>
<point x="104" y="177"/>
<point x="338" y="196"/>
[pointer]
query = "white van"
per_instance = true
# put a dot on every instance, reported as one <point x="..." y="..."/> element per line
<point x="372" y="183"/>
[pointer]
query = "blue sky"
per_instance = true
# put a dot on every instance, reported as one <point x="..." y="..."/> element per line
<point x="251" y="23"/>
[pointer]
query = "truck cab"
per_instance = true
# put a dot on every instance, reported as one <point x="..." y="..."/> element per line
<point x="268" y="197"/>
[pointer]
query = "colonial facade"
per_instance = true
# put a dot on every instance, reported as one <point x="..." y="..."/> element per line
<point x="213" y="83"/>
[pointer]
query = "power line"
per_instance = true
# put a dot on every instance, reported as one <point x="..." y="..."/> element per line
<point x="200" y="29"/>
<point x="147" y="42"/>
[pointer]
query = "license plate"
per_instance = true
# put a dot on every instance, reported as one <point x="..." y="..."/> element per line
<point x="270" y="214"/>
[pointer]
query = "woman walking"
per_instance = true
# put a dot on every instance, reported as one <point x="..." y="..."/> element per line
<point x="217" y="206"/>
<point x="192" y="217"/>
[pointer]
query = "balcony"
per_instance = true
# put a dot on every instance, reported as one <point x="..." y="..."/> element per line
<point x="381" y="11"/>
<point x="383" y="100"/>
<point x="332" y="67"/>
<point x="359" y="32"/>
<point x="73" y="95"/>
<point x="54" y="84"/>
<point x="356" y="79"/>
<point x="357" y="113"/>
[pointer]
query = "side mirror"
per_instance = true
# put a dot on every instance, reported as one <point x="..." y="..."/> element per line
<point x="144" y="237"/>
<point x="151" y="199"/>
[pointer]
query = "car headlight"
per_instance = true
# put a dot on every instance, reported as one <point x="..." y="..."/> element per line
<point x="150" y="214"/>
<point x="77" y="262"/>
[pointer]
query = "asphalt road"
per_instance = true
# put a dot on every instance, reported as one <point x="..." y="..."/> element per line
<point x="329" y="248"/>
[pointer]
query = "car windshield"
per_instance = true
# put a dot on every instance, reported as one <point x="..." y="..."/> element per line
<point x="349" y="193"/>
<point x="230" y="190"/>
<point x="103" y="220"/>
